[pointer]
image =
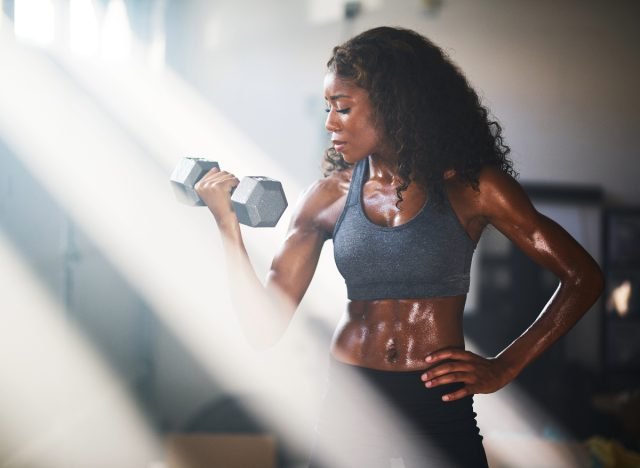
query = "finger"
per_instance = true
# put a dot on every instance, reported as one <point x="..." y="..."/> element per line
<point x="211" y="174"/>
<point x="450" y="353"/>
<point x="217" y="177"/>
<point x="450" y="378"/>
<point x="214" y="175"/>
<point x="456" y="366"/>
<point x="447" y="353"/>
<point x="457" y="395"/>
<point x="225" y="181"/>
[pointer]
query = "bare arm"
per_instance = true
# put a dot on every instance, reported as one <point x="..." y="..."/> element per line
<point x="508" y="208"/>
<point x="503" y="203"/>
<point x="265" y="311"/>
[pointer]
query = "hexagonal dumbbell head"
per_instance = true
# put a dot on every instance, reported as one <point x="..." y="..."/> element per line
<point x="259" y="201"/>
<point x="186" y="175"/>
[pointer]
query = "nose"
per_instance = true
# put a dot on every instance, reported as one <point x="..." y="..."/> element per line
<point x="332" y="124"/>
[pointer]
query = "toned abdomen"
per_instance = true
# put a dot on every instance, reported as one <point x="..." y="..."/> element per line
<point x="397" y="334"/>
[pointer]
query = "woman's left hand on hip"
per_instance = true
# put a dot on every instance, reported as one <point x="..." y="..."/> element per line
<point x="479" y="374"/>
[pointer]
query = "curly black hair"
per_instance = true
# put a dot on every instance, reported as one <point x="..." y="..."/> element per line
<point x="423" y="105"/>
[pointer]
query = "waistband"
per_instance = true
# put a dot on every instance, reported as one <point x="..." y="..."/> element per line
<point x="404" y="385"/>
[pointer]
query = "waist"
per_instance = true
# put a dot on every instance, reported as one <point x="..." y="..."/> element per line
<point x="454" y="285"/>
<point x="398" y="334"/>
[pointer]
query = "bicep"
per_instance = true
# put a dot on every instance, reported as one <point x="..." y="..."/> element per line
<point x="295" y="263"/>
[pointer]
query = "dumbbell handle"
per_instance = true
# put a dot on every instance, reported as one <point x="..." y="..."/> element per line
<point x="258" y="201"/>
<point x="206" y="165"/>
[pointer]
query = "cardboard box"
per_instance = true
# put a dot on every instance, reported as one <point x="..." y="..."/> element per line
<point x="220" y="451"/>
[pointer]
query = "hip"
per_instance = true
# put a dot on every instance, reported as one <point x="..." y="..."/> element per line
<point x="355" y="393"/>
<point x="382" y="414"/>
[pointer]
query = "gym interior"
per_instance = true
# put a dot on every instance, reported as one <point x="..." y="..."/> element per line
<point x="118" y="345"/>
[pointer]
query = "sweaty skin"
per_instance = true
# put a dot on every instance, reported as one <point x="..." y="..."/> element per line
<point x="391" y="334"/>
<point x="397" y="334"/>
<point x="387" y="334"/>
<point x="415" y="333"/>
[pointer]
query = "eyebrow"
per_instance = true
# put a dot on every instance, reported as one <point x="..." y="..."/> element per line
<point x="338" y="96"/>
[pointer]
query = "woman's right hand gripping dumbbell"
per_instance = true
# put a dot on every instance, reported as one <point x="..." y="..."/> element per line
<point x="215" y="190"/>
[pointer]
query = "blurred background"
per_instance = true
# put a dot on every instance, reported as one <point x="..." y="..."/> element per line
<point x="116" y="335"/>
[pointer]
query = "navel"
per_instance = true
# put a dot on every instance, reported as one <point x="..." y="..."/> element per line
<point x="391" y="352"/>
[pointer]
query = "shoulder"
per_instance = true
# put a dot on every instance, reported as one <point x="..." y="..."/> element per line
<point x="327" y="190"/>
<point x="498" y="200"/>
<point x="319" y="199"/>
<point x="500" y="195"/>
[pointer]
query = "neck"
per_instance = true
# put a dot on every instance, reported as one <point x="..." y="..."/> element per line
<point x="384" y="169"/>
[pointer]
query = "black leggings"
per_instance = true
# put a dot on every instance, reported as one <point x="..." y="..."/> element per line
<point x="353" y="431"/>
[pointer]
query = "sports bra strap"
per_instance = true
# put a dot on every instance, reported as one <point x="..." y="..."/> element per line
<point x="356" y="182"/>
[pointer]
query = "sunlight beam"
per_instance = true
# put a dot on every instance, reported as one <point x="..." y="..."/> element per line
<point x="103" y="140"/>
<point x="34" y="21"/>
<point x="61" y="406"/>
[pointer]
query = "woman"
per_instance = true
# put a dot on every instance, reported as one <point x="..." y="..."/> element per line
<point x="417" y="171"/>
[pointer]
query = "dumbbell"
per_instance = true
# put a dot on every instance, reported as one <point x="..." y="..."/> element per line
<point x="258" y="201"/>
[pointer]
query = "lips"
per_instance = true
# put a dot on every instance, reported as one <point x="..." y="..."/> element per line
<point x="338" y="145"/>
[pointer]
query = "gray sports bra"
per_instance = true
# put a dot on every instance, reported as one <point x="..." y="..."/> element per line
<point x="428" y="256"/>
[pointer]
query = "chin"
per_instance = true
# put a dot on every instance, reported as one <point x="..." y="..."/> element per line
<point x="351" y="159"/>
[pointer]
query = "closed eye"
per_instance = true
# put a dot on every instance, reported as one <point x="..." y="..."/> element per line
<point x="340" y="111"/>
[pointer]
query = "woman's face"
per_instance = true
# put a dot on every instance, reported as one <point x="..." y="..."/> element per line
<point x="349" y="119"/>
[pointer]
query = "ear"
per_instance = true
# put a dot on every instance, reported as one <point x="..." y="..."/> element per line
<point x="449" y="174"/>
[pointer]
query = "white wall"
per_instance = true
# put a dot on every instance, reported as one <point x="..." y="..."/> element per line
<point x="560" y="76"/>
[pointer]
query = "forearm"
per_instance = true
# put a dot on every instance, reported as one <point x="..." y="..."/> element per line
<point x="567" y="305"/>
<point x="263" y="314"/>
